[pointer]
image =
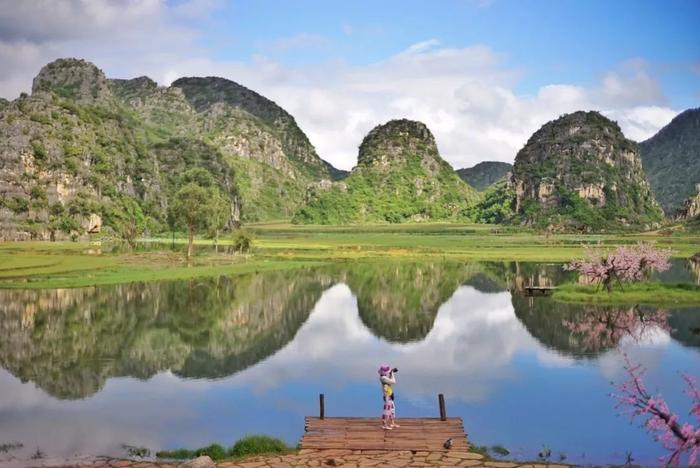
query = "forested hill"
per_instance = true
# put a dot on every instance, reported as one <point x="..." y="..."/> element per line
<point x="484" y="174"/>
<point x="85" y="153"/>
<point x="671" y="160"/>
<point x="399" y="177"/>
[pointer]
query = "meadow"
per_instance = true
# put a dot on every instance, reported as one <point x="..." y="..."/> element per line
<point x="282" y="246"/>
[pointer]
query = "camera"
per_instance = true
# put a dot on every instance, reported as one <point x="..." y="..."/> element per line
<point x="394" y="370"/>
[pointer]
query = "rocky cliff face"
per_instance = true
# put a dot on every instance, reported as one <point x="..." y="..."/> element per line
<point x="82" y="147"/>
<point x="207" y="93"/>
<point x="580" y="171"/>
<point x="671" y="160"/>
<point x="484" y="174"/>
<point x="691" y="207"/>
<point x="399" y="177"/>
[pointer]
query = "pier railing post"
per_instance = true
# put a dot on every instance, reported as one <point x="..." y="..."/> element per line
<point x="322" y="404"/>
<point x="441" y="402"/>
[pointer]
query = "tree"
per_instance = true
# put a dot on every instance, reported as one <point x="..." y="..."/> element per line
<point x="241" y="241"/>
<point x="131" y="222"/>
<point x="193" y="205"/>
<point x="625" y="263"/>
<point x="678" y="438"/>
<point x="221" y="215"/>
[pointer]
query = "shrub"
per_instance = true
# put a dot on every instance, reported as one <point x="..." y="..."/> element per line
<point x="39" y="150"/>
<point x="255" y="444"/>
<point x="177" y="454"/>
<point x="18" y="205"/>
<point x="40" y="118"/>
<point x="214" y="451"/>
<point x="241" y="241"/>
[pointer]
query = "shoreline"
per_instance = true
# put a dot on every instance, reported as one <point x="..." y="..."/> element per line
<point x="44" y="264"/>
<point x="321" y="458"/>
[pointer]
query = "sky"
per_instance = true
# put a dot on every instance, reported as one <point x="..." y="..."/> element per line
<point x="482" y="74"/>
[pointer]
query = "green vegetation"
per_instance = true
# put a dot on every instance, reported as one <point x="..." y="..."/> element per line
<point x="653" y="293"/>
<point x="249" y="445"/>
<point x="564" y="182"/>
<point x="671" y="160"/>
<point x="496" y="206"/>
<point x="285" y="246"/>
<point x="241" y="241"/>
<point x="256" y="444"/>
<point x="484" y="174"/>
<point x="400" y="178"/>
<point x="197" y="206"/>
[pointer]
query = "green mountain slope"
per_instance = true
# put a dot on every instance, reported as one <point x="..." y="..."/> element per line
<point x="399" y="177"/>
<point x="484" y="174"/>
<point x="671" y="160"/>
<point x="82" y="148"/>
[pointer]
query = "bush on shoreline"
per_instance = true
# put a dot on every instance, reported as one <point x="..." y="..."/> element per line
<point x="249" y="445"/>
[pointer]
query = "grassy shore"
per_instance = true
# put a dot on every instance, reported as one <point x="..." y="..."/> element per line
<point x="284" y="246"/>
<point x="655" y="294"/>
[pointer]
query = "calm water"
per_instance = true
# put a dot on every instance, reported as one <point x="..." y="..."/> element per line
<point x="184" y="364"/>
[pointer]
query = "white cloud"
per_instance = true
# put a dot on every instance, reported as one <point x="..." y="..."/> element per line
<point x="465" y="95"/>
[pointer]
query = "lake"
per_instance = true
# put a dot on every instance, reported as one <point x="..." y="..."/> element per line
<point x="187" y="363"/>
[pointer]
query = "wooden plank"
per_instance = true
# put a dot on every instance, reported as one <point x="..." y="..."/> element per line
<point x="357" y="433"/>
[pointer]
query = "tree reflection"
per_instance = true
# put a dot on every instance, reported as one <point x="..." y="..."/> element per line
<point x="598" y="329"/>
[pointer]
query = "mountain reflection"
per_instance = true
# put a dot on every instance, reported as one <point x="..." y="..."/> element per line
<point x="70" y="341"/>
<point x="581" y="331"/>
<point x="399" y="302"/>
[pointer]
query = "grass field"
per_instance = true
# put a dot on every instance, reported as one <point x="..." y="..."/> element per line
<point x="283" y="246"/>
<point x="654" y="294"/>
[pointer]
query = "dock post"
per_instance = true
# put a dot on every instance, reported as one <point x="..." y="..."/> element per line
<point x="322" y="403"/>
<point x="441" y="401"/>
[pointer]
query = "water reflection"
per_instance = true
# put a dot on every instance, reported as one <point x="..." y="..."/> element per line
<point x="219" y="353"/>
<point x="70" y="341"/>
<point x="399" y="302"/>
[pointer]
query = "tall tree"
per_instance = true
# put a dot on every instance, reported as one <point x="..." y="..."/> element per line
<point x="194" y="204"/>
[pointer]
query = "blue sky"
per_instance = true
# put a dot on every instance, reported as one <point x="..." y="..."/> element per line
<point x="561" y="41"/>
<point x="482" y="74"/>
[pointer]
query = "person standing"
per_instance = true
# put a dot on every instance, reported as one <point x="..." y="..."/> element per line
<point x="388" y="380"/>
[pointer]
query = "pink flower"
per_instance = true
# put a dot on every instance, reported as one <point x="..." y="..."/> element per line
<point x="678" y="438"/>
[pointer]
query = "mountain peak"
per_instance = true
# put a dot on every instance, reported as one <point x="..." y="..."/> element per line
<point x="74" y="79"/>
<point x="580" y="170"/>
<point x="484" y="174"/>
<point x="396" y="140"/>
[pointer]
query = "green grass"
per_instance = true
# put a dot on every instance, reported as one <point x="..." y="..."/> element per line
<point x="249" y="445"/>
<point x="659" y="294"/>
<point x="282" y="246"/>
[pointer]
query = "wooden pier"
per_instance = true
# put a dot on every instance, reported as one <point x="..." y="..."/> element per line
<point x="352" y="433"/>
<point x="542" y="290"/>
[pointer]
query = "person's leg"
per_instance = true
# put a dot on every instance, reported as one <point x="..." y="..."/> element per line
<point x="386" y="415"/>
<point x="393" y="415"/>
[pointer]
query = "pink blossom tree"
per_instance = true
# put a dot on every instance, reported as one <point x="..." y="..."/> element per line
<point x="625" y="263"/>
<point x="679" y="439"/>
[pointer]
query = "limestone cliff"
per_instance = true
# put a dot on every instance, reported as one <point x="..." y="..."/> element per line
<point x="580" y="171"/>
<point x="81" y="147"/>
